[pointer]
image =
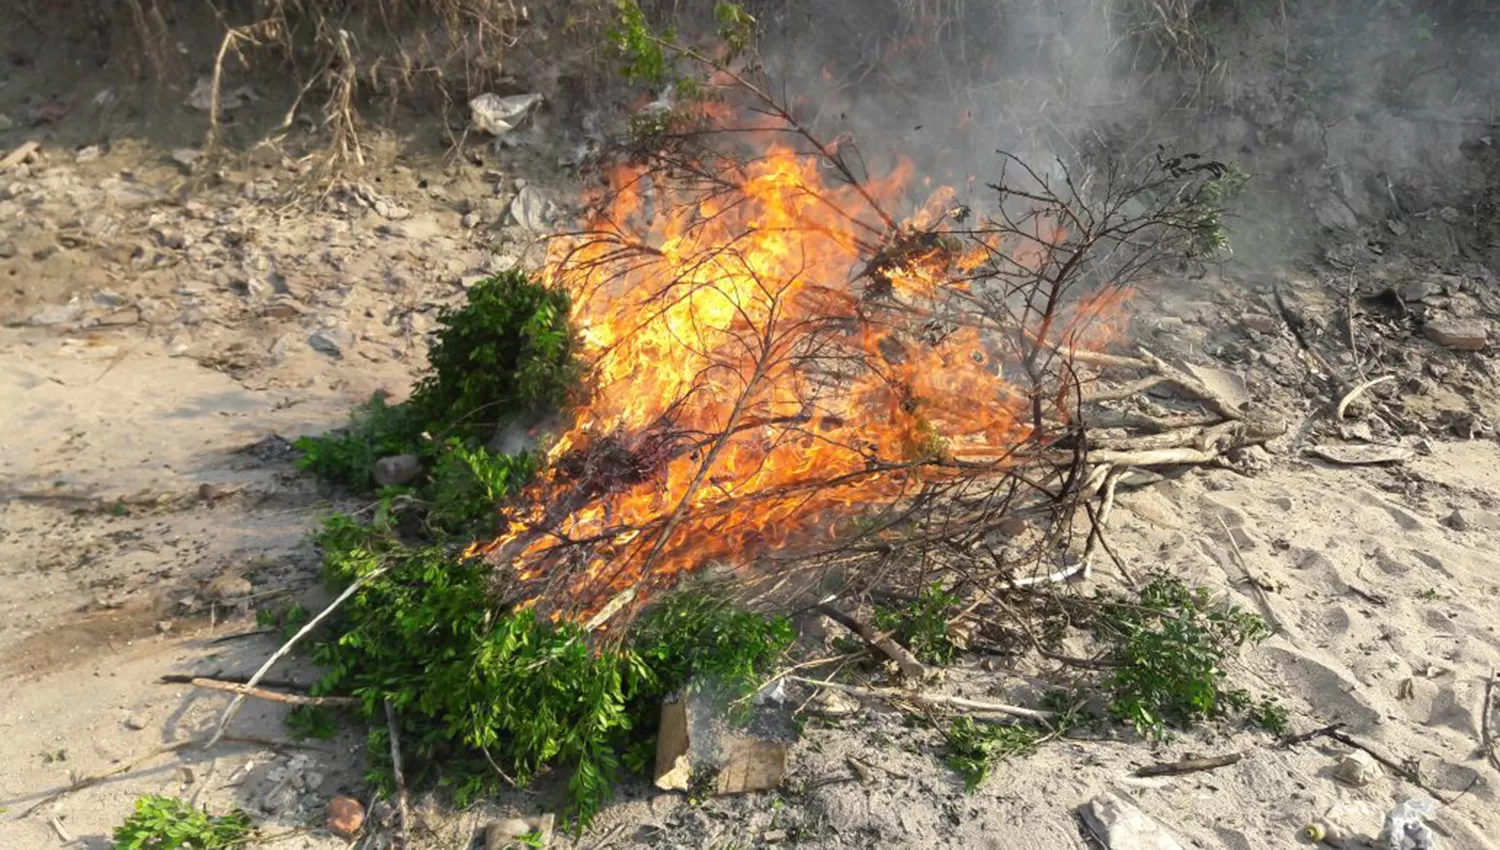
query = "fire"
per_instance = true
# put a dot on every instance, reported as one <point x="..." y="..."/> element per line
<point x="765" y="369"/>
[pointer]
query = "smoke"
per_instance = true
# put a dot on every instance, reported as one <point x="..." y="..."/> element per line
<point x="1347" y="114"/>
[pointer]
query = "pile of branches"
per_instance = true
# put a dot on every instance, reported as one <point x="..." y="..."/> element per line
<point x="948" y="388"/>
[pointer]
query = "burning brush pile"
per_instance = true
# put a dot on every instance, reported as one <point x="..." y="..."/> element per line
<point x="800" y="379"/>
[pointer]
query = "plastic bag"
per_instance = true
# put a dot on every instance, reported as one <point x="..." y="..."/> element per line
<point x="1406" y="829"/>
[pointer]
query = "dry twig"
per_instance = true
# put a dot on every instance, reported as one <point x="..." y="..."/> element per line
<point x="910" y="666"/>
<point x="932" y="700"/>
<point x="273" y="696"/>
<point x="234" y="705"/>
<point x="401" y="805"/>
<point x="1191" y="765"/>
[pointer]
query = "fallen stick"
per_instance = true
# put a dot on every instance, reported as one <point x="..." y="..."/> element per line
<point x="1358" y="391"/>
<point x="910" y="666"/>
<point x="273" y="696"/>
<point x="401" y="808"/>
<point x="1486" y="711"/>
<point x="1260" y="591"/>
<point x="1194" y="765"/>
<point x="930" y="700"/>
<point x="187" y="679"/>
<point x="239" y="699"/>
<point x="57" y="827"/>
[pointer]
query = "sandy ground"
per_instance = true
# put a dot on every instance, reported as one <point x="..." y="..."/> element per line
<point x="157" y="356"/>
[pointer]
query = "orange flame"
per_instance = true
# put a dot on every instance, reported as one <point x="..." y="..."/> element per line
<point x="746" y="394"/>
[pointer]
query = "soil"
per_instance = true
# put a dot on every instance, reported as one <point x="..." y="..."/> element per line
<point x="173" y="320"/>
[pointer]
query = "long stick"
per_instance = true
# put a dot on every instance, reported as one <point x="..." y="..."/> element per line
<point x="390" y="724"/>
<point x="896" y="694"/>
<point x="273" y="696"/>
<point x="234" y="705"/>
<point x="910" y="666"/>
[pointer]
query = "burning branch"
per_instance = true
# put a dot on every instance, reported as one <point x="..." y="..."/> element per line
<point x="787" y="378"/>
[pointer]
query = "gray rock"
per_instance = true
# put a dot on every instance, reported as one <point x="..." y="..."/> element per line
<point x="228" y="587"/>
<point x="87" y="153"/>
<point x="396" y="470"/>
<point x="58" y="314"/>
<point x="6" y="122"/>
<point x="469" y="221"/>
<point x="187" y="157"/>
<point x="105" y="298"/>
<point x="1334" y="214"/>
<point x="1462" y="334"/>
<point x="1358" y="768"/>
<point x="1472" y="520"/>
<point x="1121" y="826"/>
<point x="329" y="341"/>
<point x="1416" y="290"/>
<point x="8" y="250"/>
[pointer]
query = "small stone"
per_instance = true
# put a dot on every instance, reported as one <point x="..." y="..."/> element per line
<point x="396" y="470"/>
<point x="6" y="122"/>
<point x="1416" y="290"/>
<point x="7" y="250"/>
<point x="105" y="298"/>
<point x="329" y="341"/>
<point x="59" y="314"/>
<point x="163" y="626"/>
<point x="1462" y="334"/>
<point x="831" y="703"/>
<point x="1470" y="520"/>
<point x="469" y="221"/>
<point x="170" y="237"/>
<point x="501" y="834"/>
<point x="46" y="253"/>
<point x="228" y="587"/>
<point x="87" y="153"/>
<point x="1260" y="323"/>
<point x="187" y="157"/>
<point x="1357" y="768"/>
<point x="773" y="836"/>
<point x="345" y="816"/>
<point x="134" y="722"/>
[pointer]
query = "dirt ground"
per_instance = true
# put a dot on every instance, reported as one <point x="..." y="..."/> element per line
<point x="171" y="323"/>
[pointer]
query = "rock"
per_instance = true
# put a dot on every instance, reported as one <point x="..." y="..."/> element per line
<point x="105" y="298"/>
<point x="228" y="587"/>
<point x="1260" y="323"/>
<point x="187" y="158"/>
<point x="1225" y="384"/>
<point x="170" y="237"/>
<point x="87" y="153"/>
<point x="329" y="341"/>
<point x="1416" y="290"/>
<point x="345" y="816"/>
<point x="1471" y="520"/>
<point x="469" y="221"/>
<point x="58" y="314"/>
<point x="498" y="115"/>
<point x="773" y="836"/>
<point x="529" y="209"/>
<point x="502" y="834"/>
<point x="47" y="253"/>
<point x="7" y="250"/>
<point x="1357" y="768"/>
<point x="1334" y="214"/>
<point x="831" y="703"/>
<point x="1463" y="334"/>
<point x="1121" y="826"/>
<point x="6" y="122"/>
<point x="396" y="470"/>
<point x="134" y="722"/>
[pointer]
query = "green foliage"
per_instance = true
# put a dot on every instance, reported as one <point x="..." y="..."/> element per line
<point x="1170" y="645"/>
<point x="641" y="51"/>
<point x="736" y="27"/>
<point x="312" y="721"/>
<point x="508" y="350"/>
<point x="468" y="483"/>
<point x="694" y="634"/>
<point x="1201" y="209"/>
<point x="478" y="687"/>
<point x="166" y="823"/>
<point x="922" y="626"/>
<point x="974" y="749"/>
<point x="376" y="430"/>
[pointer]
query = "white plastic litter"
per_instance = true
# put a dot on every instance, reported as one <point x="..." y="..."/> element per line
<point x="498" y="115"/>
<point x="1406" y="828"/>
